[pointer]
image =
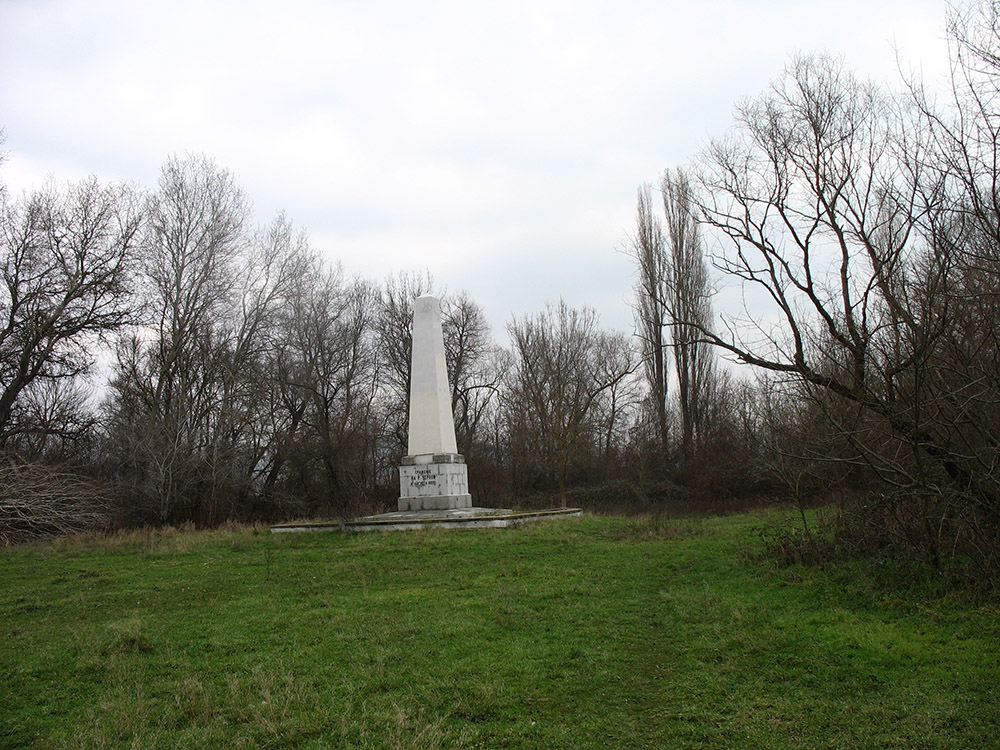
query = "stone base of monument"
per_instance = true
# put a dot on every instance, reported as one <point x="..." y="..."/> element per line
<point x="461" y="518"/>
<point x="434" y="481"/>
<point x="435" y="502"/>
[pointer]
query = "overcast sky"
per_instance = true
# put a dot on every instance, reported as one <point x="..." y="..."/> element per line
<point x="498" y="145"/>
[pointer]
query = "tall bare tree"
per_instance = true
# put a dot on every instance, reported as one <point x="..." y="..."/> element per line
<point x="240" y="439"/>
<point x="67" y="259"/>
<point x="170" y="376"/>
<point x="689" y="309"/>
<point x="648" y="247"/>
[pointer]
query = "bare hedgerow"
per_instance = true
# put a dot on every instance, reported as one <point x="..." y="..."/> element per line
<point x="38" y="501"/>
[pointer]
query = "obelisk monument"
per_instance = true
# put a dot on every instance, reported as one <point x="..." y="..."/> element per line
<point x="433" y="475"/>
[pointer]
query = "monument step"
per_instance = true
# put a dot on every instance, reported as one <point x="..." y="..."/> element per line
<point x="459" y="518"/>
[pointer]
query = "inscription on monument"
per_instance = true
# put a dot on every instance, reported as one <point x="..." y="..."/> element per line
<point x="424" y="478"/>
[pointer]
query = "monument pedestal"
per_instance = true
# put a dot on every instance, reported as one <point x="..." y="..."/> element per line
<point x="434" y="481"/>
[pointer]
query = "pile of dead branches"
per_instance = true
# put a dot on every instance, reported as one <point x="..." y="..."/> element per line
<point x="39" y="501"/>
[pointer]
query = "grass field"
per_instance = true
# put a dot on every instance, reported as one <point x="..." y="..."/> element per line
<point x="589" y="632"/>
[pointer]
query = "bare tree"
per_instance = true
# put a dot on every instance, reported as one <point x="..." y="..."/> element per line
<point x="618" y="407"/>
<point x="170" y="377"/>
<point x="66" y="259"/>
<point x="564" y="365"/>
<point x="196" y="233"/>
<point x="326" y="370"/>
<point x="802" y="193"/>
<point x="55" y="421"/>
<point x="689" y="310"/>
<point x="648" y="247"/>
<point x="476" y="367"/>
<point x="239" y="440"/>
<point x="840" y="212"/>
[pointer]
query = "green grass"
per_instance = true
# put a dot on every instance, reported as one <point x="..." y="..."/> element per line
<point x="588" y="632"/>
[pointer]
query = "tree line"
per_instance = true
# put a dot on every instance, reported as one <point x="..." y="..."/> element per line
<point x="248" y="378"/>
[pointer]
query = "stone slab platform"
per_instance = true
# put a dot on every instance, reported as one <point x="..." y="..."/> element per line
<point x="458" y="518"/>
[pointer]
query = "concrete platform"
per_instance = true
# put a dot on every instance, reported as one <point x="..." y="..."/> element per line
<point x="459" y="518"/>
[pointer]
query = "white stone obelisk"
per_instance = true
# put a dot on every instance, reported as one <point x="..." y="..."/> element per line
<point x="433" y="475"/>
